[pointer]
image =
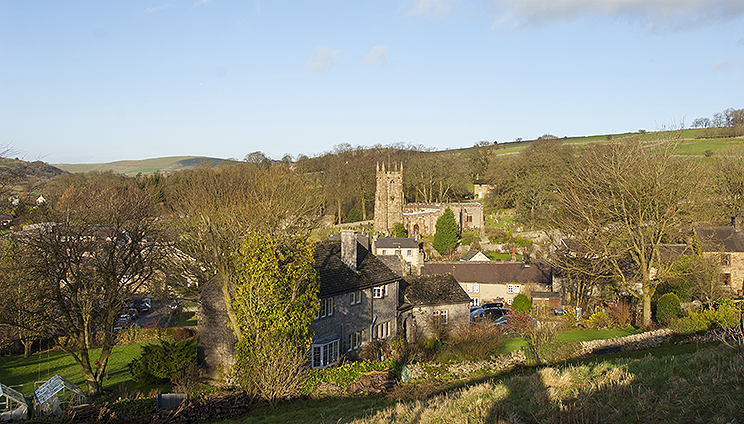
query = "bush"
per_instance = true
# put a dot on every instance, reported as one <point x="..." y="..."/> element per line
<point x="342" y="375"/>
<point x="668" y="308"/>
<point x="598" y="321"/>
<point x="621" y="313"/>
<point x="522" y="303"/>
<point x="545" y="332"/>
<point x="470" y="342"/>
<point x="725" y="316"/>
<point x="161" y="362"/>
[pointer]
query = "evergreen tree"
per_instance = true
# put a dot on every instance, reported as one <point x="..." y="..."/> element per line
<point x="446" y="236"/>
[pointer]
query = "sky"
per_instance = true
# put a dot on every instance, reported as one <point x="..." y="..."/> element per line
<point x="88" y="82"/>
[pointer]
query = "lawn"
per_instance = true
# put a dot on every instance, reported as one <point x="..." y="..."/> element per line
<point x="184" y="319"/>
<point x="16" y="370"/>
<point x="579" y="335"/>
<point x="683" y="383"/>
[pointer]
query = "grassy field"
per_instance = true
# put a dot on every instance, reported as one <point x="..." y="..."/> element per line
<point x="688" y="383"/>
<point x="16" y="370"/>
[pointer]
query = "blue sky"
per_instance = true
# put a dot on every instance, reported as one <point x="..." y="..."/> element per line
<point x="111" y="80"/>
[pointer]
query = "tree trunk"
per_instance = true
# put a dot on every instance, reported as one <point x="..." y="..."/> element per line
<point x="27" y="344"/>
<point x="646" y="306"/>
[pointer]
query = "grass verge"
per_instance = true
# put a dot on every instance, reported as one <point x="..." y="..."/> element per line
<point x="21" y="373"/>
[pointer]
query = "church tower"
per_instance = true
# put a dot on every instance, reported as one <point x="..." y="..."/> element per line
<point x="388" y="199"/>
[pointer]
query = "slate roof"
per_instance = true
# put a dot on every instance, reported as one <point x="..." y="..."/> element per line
<point x="436" y="289"/>
<point x="469" y="255"/>
<point x="720" y="239"/>
<point x="337" y="278"/>
<point x="493" y="272"/>
<point x="393" y="262"/>
<point x="394" y="243"/>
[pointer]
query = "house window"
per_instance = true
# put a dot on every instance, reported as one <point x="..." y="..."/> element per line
<point x="476" y="288"/>
<point x="726" y="259"/>
<point x="382" y="331"/>
<point x="355" y="297"/>
<point x="727" y="279"/>
<point x="379" y="292"/>
<point x="474" y="301"/>
<point x="512" y="288"/>
<point x="384" y="252"/>
<point x="440" y="317"/>
<point x="469" y="288"/>
<point x="509" y="301"/>
<point x="326" y="308"/>
<point x="325" y="355"/>
<point x="356" y="340"/>
<point x="469" y="218"/>
<point x="409" y="252"/>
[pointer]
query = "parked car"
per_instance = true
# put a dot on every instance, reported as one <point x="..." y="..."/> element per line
<point x="488" y="314"/>
<point x="492" y="305"/>
<point x="142" y="305"/>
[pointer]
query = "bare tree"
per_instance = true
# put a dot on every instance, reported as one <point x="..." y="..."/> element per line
<point x="98" y="249"/>
<point x="621" y="203"/>
<point x="216" y="209"/>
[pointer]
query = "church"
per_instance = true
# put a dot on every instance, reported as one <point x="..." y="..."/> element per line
<point x="417" y="218"/>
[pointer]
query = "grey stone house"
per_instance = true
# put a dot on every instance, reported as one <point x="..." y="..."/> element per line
<point x="358" y="300"/>
<point x="432" y="305"/>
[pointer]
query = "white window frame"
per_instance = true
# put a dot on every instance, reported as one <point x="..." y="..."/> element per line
<point x="469" y="287"/>
<point x="509" y="301"/>
<point x="440" y="316"/>
<point x="476" y="288"/>
<point x="380" y="292"/>
<point x="513" y="288"/>
<point x="326" y="308"/>
<point x="355" y="297"/>
<point x="474" y="301"/>
<point x="382" y="330"/>
<point x="356" y="340"/>
<point x="325" y="355"/>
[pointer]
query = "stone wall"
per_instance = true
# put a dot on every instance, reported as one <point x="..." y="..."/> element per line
<point x="515" y="358"/>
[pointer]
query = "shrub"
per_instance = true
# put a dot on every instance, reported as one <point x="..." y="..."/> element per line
<point x="545" y="332"/>
<point x="522" y="303"/>
<point x="161" y="362"/>
<point x="621" y="313"/>
<point x="474" y="341"/>
<point x="558" y="351"/>
<point x="598" y="321"/>
<point x="398" y="230"/>
<point x="342" y="375"/>
<point x="726" y="316"/>
<point x="668" y="308"/>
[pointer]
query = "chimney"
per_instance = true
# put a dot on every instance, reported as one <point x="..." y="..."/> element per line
<point x="349" y="248"/>
<point x="736" y="223"/>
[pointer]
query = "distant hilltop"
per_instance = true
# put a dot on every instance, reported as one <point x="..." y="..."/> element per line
<point x="146" y="166"/>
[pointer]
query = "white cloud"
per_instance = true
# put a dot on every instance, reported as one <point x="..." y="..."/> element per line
<point x="156" y="8"/>
<point x="322" y="59"/>
<point x="675" y="14"/>
<point x="721" y="65"/>
<point x="437" y="7"/>
<point x="201" y="2"/>
<point x="377" y="54"/>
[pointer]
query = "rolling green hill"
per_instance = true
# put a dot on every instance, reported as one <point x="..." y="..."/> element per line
<point x="145" y="166"/>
